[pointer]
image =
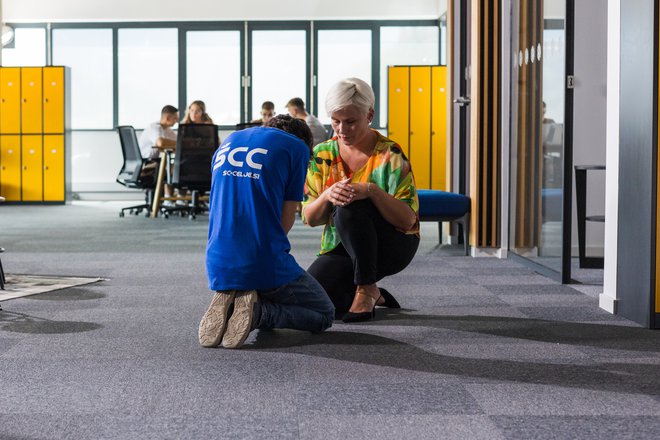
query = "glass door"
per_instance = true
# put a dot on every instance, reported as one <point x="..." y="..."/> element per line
<point x="540" y="137"/>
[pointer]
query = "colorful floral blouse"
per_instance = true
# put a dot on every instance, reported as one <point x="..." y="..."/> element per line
<point x="386" y="168"/>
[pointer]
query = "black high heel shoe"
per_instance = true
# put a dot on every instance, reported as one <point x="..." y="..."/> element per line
<point x="390" y="301"/>
<point x="359" y="317"/>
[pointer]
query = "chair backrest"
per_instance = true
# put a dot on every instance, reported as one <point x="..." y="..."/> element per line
<point x="130" y="170"/>
<point x="195" y="146"/>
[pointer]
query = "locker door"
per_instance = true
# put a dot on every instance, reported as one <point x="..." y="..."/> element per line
<point x="439" y="149"/>
<point x="10" y="100"/>
<point x="10" y="167"/>
<point x="31" y="107"/>
<point x="53" y="100"/>
<point x="398" y="106"/>
<point x="420" y="125"/>
<point x="32" y="168"/>
<point x="53" y="168"/>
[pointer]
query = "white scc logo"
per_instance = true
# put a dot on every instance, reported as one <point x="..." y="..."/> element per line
<point x="234" y="160"/>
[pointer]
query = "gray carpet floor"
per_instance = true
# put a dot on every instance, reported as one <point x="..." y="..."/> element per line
<point x="482" y="349"/>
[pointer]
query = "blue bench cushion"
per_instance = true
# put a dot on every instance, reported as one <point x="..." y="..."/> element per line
<point x="434" y="203"/>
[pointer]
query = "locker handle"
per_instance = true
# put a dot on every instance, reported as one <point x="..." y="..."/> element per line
<point x="46" y="168"/>
<point x="46" y="100"/>
<point x="24" y="100"/>
<point x="24" y="167"/>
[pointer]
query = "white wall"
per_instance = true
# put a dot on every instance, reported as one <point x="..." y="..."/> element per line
<point x="192" y="10"/>
<point x="589" y="117"/>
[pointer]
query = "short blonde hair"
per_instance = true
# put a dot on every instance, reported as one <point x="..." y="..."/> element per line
<point x="350" y="91"/>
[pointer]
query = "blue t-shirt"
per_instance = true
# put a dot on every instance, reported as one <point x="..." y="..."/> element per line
<point x="254" y="172"/>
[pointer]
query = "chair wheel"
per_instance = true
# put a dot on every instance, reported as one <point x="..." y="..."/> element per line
<point x="166" y="215"/>
<point x="121" y="213"/>
<point x="146" y="214"/>
<point x="192" y="217"/>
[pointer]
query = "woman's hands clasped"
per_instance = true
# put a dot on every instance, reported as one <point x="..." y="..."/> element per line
<point x="343" y="192"/>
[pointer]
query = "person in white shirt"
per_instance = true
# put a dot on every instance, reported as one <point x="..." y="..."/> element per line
<point x="296" y="108"/>
<point x="157" y="137"/>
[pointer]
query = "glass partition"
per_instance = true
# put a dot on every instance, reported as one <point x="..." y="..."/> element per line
<point x="29" y="48"/>
<point x="537" y="134"/>
<point x="354" y="48"/>
<point x="213" y="70"/>
<point x="279" y="68"/>
<point x="405" y="45"/>
<point x="148" y="64"/>
<point x="88" y="52"/>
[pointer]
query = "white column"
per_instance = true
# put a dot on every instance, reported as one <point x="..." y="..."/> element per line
<point x="608" y="299"/>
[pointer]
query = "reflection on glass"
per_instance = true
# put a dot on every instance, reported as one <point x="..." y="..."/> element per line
<point x="279" y="68"/>
<point x="148" y="74"/>
<point x="341" y="54"/>
<point x="213" y="69"/>
<point x="405" y="45"/>
<point x="538" y="67"/>
<point x="29" y="48"/>
<point x="88" y="52"/>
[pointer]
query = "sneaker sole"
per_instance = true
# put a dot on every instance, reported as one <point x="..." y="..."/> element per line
<point x="213" y="323"/>
<point x="240" y="323"/>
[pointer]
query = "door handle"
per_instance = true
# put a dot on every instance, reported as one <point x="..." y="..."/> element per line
<point x="462" y="100"/>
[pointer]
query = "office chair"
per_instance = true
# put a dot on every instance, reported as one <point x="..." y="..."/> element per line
<point x="2" y="274"/>
<point x="195" y="146"/>
<point x="130" y="174"/>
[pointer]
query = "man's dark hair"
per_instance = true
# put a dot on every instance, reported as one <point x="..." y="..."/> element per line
<point x="297" y="103"/>
<point x="267" y="105"/>
<point x="168" y="110"/>
<point x="296" y="127"/>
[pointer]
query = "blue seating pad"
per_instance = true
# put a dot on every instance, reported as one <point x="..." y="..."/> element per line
<point x="435" y="203"/>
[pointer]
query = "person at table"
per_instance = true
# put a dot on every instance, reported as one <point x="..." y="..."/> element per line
<point x="361" y="188"/>
<point x="296" y="108"/>
<point x="196" y="114"/>
<point x="267" y="113"/>
<point x="258" y="179"/>
<point x="158" y="137"/>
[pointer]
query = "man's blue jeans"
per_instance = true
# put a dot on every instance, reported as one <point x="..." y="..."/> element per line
<point x="300" y="305"/>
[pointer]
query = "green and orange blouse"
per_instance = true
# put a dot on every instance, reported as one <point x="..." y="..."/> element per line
<point x="387" y="167"/>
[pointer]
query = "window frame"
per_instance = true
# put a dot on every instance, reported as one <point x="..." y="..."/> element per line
<point x="245" y="28"/>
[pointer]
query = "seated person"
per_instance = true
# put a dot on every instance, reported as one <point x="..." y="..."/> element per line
<point x="267" y="112"/>
<point x="196" y="114"/>
<point x="360" y="186"/>
<point x="157" y="137"/>
<point x="296" y="108"/>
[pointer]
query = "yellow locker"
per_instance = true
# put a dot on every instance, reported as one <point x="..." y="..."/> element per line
<point x="440" y="159"/>
<point x="398" y="107"/>
<point x="53" y="168"/>
<point x="420" y="125"/>
<point x="10" y="167"/>
<point x="53" y="89"/>
<point x="32" y="168"/>
<point x="10" y="100"/>
<point x="31" y="106"/>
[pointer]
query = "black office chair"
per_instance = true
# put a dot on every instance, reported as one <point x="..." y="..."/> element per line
<point x="133" y="173"/>
<point x="3" y="281"/>
<point x="195" y="146"/>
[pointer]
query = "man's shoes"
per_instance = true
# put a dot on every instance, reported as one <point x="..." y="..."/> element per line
<point x="240" y="323"/>
<point x="213" y="323"/>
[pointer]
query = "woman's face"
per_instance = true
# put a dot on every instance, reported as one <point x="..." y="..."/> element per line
<point x="351" y="125"/>
<point x="195" y="113"/>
